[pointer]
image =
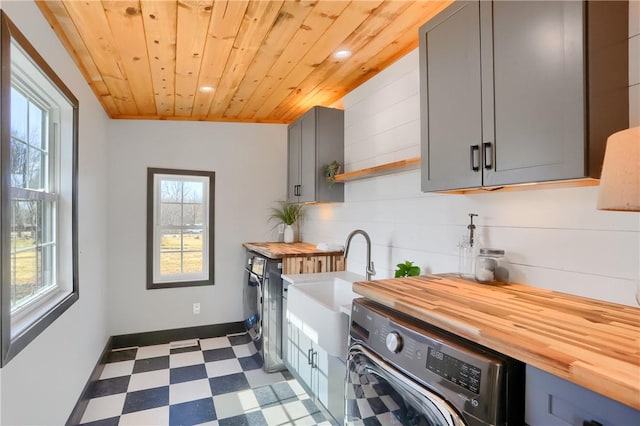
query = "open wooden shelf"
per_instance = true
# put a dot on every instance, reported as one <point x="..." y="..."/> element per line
<point x="383" y="169"/>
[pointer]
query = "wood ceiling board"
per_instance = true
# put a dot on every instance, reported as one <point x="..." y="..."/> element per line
<point x="257" y="22"/>
<point x="193" y="25"/>
<point x="290" y="18"/>
<point x="350" y="19"/>
<point x="226" y="18"/>
<point x="125" y="20"/>
<point x="270" y="73"/>
<point x="58" y="17"/>
<point x="160" y="21"/>
<point x="93" y="26"/>
<point x="392" y="43"/>
<point x="311" y="91"/>
<point x="314" y="26"/>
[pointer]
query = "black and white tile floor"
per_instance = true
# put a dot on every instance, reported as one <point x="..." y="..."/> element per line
<point x="220" y="381"/>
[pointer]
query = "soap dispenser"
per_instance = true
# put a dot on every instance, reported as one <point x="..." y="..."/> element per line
<point x="467" y="251"/>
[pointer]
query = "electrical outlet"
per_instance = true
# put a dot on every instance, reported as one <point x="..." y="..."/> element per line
<point x="196" y="308"/>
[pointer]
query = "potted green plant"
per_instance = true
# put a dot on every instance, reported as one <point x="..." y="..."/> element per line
<point x="288" y="214"/>
<point x="330" y="172"/>
<point x="407" y="269"/>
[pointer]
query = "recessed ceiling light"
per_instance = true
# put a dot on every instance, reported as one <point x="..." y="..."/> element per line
<point x="342" y="53"/>
<point x="206" y="89"/>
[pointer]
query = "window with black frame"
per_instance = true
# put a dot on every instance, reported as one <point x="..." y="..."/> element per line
<point x="38" y="165"/>
<point x="180" y="207"/>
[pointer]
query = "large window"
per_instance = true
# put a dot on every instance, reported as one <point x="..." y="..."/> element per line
<point x="38" y="162"/>
<point x="179" y="228"/>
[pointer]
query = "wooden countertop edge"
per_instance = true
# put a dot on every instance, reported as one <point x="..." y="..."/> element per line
<point x="277" y="250"/>
<point x="617" y="384"/>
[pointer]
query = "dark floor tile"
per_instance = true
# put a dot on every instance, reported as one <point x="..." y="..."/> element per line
<point x="151" y="364"/>
<point x="192" y="412"/>
<point x="218" y="354"/>
<point x="146" y="399"/>
<point x="240" y="339"/>
<point x="113" y="421"/>
<point x="231" y="383"/>
<point x="313" y="410"/>
<point x="185" y="374"/>
<point x="123" y="355"/>
<point x="185" y="349"/>
<point x="250" y="419"/>
<point x="109" y="386"/>
<point x="377" y="406"/>
<point x="277" y="393"/>
<point x="252" y="362"/>
<point x="372" y="421"/>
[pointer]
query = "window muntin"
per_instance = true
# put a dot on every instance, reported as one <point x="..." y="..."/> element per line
<point x="38" y="211"/>
<point x="181" y="228"/>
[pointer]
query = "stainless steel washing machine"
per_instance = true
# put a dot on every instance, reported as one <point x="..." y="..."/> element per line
<point x="401" y="371"/>
<point x="262" y="302"/>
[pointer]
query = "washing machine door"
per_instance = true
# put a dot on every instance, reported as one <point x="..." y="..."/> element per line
<point x="252" y="303"/>
<point x="378" y="393"/>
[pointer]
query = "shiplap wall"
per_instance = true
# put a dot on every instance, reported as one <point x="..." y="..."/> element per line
<point x="555" y="238"/>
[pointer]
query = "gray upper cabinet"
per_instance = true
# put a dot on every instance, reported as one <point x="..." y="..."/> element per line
<point x="314" y="140"/>
<point x="505" y="97"/>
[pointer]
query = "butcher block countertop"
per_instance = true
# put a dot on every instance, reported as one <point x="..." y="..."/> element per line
<point x="591" y="343"/>
<point x="281" y="250"/>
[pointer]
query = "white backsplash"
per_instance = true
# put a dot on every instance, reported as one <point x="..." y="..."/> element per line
<point x="554" y="238"/>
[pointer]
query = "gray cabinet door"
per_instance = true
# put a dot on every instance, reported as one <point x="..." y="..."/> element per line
<point x="315" y="140"/>
<point x="308" y="124"/>
<point x="533" y="91"/>
<point x="451" y="103"/>
<point x="293" y="161"/>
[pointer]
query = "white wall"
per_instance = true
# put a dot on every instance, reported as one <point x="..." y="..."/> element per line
<point x="249" y="161"/>
<point x="555" y="238"/>
<point x="43" y="382"/>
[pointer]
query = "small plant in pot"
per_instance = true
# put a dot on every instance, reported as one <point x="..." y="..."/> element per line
<point x="407" y="269"/>
<point x="331" y="171"/>
<point x="288" y="214"/>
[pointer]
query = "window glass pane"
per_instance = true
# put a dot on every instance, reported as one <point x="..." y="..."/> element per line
<point x="18" y="160"/>
<point x="36" y="137"/>
<point x="34" y="170"/>
<point x="171" y="214"/>
<point x="192" y="247"/>
<point x="193" y="214"/>
<point x="24" y="273"/>
<point x="18" y="114"/>
<point x="170" y="252"/>
<point x="171" y="191"/>
<point x="193" y="192"/>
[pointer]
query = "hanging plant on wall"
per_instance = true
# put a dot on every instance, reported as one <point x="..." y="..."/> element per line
<point x="331" y="171"/>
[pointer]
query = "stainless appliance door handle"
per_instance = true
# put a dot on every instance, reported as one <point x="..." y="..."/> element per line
<point x="310" y="356"/>
<point x="429" y="401"/>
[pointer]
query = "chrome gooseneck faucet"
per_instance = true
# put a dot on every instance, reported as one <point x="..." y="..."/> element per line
<point x="370" y="268"/>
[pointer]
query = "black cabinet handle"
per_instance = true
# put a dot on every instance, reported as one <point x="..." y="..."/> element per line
<point x="488" y="155"/>
<point x="474" y="150"/>
<point x="310" y="356"/>
<point x="591" y="423"/>
<point x="296" y="190"/>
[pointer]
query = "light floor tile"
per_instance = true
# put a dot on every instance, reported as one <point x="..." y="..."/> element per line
<point x="293" y="413"/>
<point x="244" y="350"/>
<point x="154" y="351"/>
<point x="186" y="358"/>
<point x="259" y="377"/>
<point x="104" y="407"/>
<point x="117" y="369"/>
<point x="149" y="380"/>
<point x="298" y="389"/>
<point x="189" y="391"/>
<point x="234" y="404"/>
<point x="154" y="416"/>
<point x="223" y="368"/>
<point x="214" y="343"/>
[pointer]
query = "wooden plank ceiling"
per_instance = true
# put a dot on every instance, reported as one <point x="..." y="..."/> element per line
<point x="268" y="61"/>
